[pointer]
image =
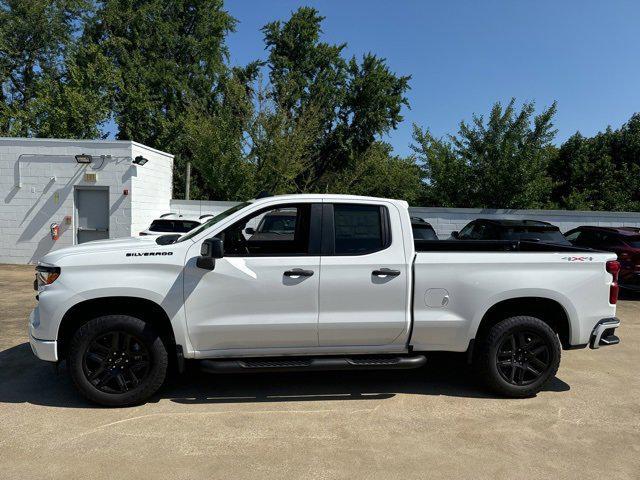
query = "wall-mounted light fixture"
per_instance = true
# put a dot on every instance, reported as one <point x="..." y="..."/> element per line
<point x="84" y="158"/>
<point x="140" y="160"/>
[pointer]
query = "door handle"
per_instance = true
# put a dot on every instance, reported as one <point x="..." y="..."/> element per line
<point x="385" y="272"/>
<point x="298" y="272"/>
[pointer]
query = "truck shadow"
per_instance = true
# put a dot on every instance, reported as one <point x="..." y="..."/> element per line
<point x="24" y="379"/>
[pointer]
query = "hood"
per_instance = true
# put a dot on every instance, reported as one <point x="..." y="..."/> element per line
<point x="100" y="246"/>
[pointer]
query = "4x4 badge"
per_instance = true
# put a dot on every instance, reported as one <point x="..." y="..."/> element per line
<point x="578" y="259"/>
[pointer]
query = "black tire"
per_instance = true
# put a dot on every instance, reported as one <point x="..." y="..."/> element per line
<point x="117" y="360"/>
<point x="518" y="356"/>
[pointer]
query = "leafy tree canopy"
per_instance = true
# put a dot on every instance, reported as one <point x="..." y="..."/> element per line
<point x="498" y="163"/>
<point x="600" y="173"/>
<point x="45" y="88"/>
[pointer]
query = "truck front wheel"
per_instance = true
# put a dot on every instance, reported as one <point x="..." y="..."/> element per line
<point x="518" y="356"/>
<point x="117" y="360"/>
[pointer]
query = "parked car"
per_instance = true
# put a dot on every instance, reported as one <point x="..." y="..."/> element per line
<point x="422" y="230"/>
<point x="351" y="289"/>
<point x="172" y="223"/>
<point x="623" y="241"/>
<point x="495" y="229"/>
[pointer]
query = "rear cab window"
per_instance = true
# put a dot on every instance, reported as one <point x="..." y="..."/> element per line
<point x="359" y="229"/>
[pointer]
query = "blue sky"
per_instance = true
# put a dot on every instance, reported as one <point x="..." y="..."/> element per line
<point x="465" y="55"/>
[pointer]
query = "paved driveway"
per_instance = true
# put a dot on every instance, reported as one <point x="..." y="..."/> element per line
<point x="431" y="423"/>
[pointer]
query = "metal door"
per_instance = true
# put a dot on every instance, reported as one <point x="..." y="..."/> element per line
<point x="92" y="214"/>
<point x="364" y="276"/>
<point x="256" y="302"/>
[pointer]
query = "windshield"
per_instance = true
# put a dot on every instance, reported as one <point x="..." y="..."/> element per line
<point x="173" y="226"/>
<point x="212" y="221"/>
<point x="423" y="232"/>
<point x="547" y="235"/>
<point x="633" y="242"/>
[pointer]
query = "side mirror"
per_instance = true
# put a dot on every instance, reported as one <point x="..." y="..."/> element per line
<point x="211" y="249"/>
<point x="249" y="230"/>
<point x="455" y="234"/>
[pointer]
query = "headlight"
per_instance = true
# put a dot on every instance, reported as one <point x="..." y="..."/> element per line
<point x="46" y="274"/>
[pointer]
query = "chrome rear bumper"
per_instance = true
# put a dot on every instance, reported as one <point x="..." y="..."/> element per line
<point x="603" y="333"/>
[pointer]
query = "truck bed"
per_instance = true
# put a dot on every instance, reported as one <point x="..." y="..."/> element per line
<point x="457" y="281"/>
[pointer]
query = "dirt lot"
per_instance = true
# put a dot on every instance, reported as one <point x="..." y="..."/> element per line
<point x="432" y="423"/>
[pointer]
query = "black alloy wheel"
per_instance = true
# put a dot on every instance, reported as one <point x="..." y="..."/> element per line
<point x="523" y="357"/>
<point x="116" y="362"/>
<point x="518" y="356"/>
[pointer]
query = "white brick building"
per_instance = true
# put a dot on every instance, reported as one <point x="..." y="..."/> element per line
<point x="42" y="183"/>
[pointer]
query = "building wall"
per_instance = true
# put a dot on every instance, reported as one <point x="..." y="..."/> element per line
<point x="37" y="181"/>
<point x="151" y="187"/>
<point x="446" y="220"/>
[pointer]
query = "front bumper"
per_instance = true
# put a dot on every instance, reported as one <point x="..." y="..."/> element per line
<point x="43" y="349"/>
<point x="603" y="333"/>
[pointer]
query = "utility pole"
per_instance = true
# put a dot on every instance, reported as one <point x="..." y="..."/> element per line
<point x="187" y="182"/>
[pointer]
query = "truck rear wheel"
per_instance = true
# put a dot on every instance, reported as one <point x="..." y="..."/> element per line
<point x="518" y="356"/>
<point x="117" y="360"/>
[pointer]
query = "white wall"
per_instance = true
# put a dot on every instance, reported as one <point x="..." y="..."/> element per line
<point x="47" y="173"/>
<point x="151" y="187"/>
<point x="446" y="220"/>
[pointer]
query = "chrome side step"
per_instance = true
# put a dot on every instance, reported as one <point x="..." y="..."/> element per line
<point x="603" y="333"/>
<point x="310" y="364"/>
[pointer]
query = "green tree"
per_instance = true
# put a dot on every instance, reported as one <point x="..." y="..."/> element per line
<point x="447" y="175"/>
<point x="77" y="102"/>
<point x="377" y="172"/>
<point x="283" y="147"/>
<point x="500" y="163"/>
<point x="216" y="138"/>
<point x="46" y="89"/>
<point x="166" y="56"/>
<point x="353" y="103"/>
<point x="601" y="172"/>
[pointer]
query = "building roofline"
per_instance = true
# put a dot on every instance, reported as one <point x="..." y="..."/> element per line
<point x="86" y="141"/>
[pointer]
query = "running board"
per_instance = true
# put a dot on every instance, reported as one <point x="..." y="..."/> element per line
<point x="311" y="364"/>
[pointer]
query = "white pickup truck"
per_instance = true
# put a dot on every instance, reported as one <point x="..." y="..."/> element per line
<point x="345" y="287"/>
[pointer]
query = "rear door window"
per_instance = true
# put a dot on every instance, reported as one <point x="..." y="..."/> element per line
<point x="358" y="229"/>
